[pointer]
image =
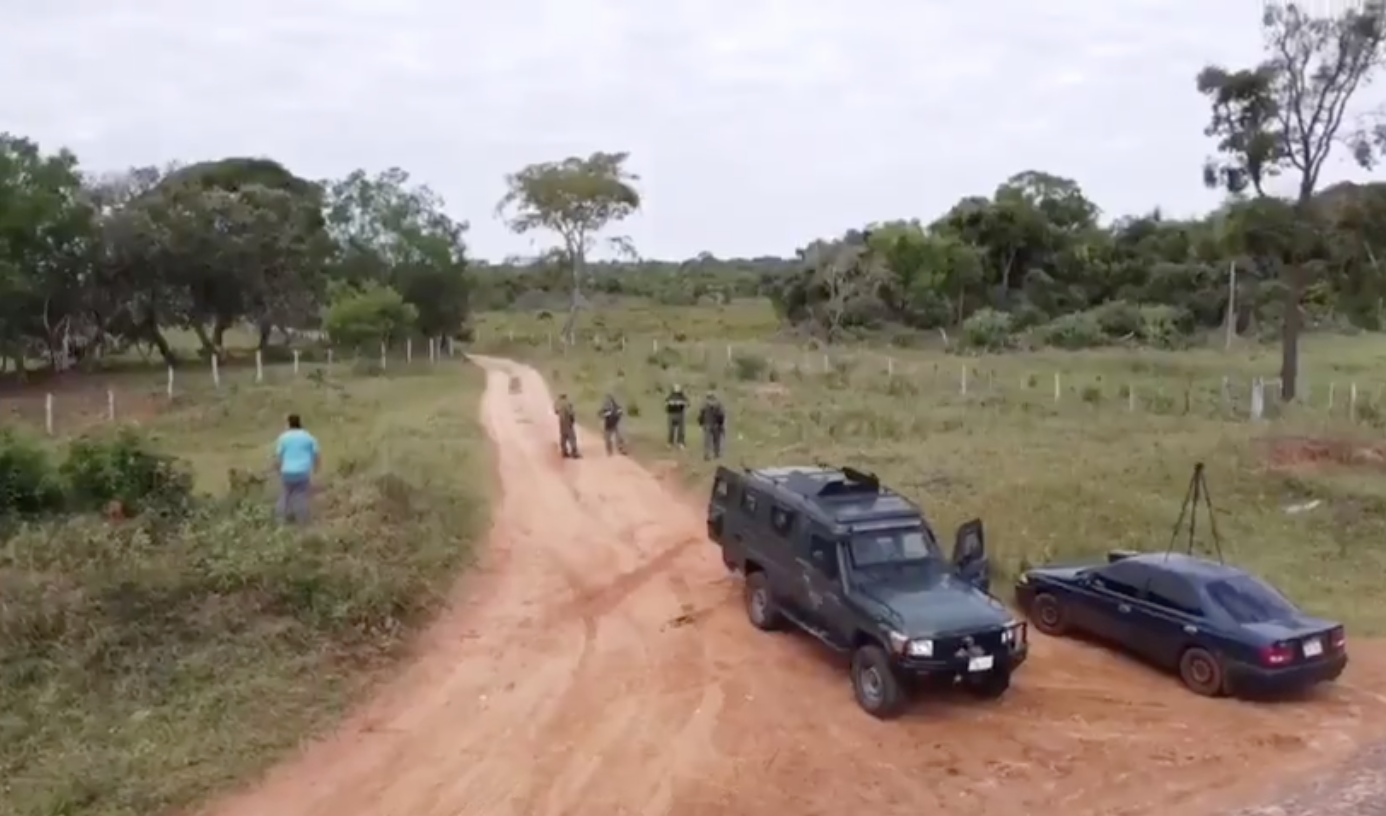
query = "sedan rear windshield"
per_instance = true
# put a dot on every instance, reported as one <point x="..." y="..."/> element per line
<point x="1250" y="600"/>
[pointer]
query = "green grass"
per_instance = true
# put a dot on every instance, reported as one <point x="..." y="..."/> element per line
<point x="1097" y="469"/>
<point x="145" y="665"/>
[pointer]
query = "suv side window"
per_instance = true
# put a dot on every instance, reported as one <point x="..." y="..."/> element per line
<point x="781" y="520"/>
<point x="719" y="489"/>
<point x="749" y="503"/>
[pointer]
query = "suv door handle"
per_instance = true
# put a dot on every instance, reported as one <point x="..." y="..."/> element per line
<point x="1123" y="609"/>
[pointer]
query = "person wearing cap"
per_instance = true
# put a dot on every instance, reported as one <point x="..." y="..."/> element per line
<point x="676" y="408"/>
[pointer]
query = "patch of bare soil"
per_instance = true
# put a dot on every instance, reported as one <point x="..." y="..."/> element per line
<point x="601" y="664"/>
<point x="1288" y="453"/>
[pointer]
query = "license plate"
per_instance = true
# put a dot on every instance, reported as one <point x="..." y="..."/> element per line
<point x="981" y="663"/>
<point x="1313" y="647"/>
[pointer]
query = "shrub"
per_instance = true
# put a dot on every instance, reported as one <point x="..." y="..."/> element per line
<point x="1164" y="326"/>
<point x="104" y="470"/>
<point x="28" y="480"/>
<point x="988" y="329"/>
<point x="1118" y="319"/>
<point x="1073" y="331"/>
<point x="749" y="367"/>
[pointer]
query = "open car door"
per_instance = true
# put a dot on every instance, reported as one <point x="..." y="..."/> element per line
<point x="970" y="554"/>
<point x="726" y="489"/>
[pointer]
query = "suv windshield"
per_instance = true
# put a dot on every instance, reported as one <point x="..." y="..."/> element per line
<point x="877" y="547"/>
<point x="1248" y="600"/>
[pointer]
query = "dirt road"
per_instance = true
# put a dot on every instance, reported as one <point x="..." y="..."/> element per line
<point x="600" y="663"/>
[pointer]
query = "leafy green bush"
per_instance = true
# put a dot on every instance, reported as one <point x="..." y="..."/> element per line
<point x="749" y="367"/>
<point x="122" y="468"/>
<point x="988" y="329"/>
<point x="28" y="480"/>
<point x="1118" y="319"/>
<point x="1165" y="326"/>
<point x="1073" y="331"/>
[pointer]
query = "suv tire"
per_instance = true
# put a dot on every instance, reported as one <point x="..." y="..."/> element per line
<point x="761" y="608"/>
<point x="877" y="688"/>
<point x="1049" y="615"/>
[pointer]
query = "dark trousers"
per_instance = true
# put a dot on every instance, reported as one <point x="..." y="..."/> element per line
<point x="294" y="492"/>
<point x="712" y="442"/>
<point x="677" y="429"/>
<point x="567" y="440"/>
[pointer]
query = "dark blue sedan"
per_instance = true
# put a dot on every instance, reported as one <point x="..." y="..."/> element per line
<point x="1223" y="630"/>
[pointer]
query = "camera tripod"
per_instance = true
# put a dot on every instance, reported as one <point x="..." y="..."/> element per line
<point x="1196" y="494"/>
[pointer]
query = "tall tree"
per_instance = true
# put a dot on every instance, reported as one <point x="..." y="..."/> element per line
<point x="576" y="198"/>
<point x="1287" y="114"/>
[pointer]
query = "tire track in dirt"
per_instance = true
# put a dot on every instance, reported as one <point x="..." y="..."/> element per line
<point x="599" y="662"/>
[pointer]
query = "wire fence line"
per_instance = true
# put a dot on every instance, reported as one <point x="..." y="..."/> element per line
<point x="1232" y="397"/>
<point x="76" y="400"/>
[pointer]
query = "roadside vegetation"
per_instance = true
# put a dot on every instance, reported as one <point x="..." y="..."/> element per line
<point x="162" y="637"/>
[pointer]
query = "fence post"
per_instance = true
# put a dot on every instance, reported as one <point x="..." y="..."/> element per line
<point x="259" y="366"/>
<point x="216" y="372"/>
<point x="48" y="413"/>
<point x="1258" y="399"/>
<point x="1058" y="389"/>
<point x="1352" y="402"/>
<point x="1332" y="387"/>
<point x="729" y="353"/>
<point x="408" y="350"/>
<point x="384" y="358"/>
<point x="296" y="353"/>
<point x="962" y="381"/>
<point x="1130" y="399"/>
<point x="890" y="368"/>
<point x="170" y="382"/>
<point x="110" y="405"/>
<point x="329" y="360"/>
<point x="654" y="345"/>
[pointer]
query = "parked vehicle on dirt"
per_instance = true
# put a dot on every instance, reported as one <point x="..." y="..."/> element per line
<point x="856" y="565"/>
<point x="1223" y="630"/>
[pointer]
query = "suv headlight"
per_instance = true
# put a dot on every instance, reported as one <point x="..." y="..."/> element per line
<point x="1014" y="633"/>
<point x="920" y="648"/>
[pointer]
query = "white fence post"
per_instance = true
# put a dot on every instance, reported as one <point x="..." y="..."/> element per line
<point x="384" y="358"/>
<point x="1332" y="387"/>
<point x="48" y="413"/>
<point x="408" y="350"/>
<point x="1258" y="399"/>
<point x="329" y="359"/>
<point x="729" y="353"/>
<point x="1058" y="388"/>
<point x="259" y="366"/>
<point x="296" y="353"/>
<point x="962" y="381"/>
<point x="170" y="382"/>
<point x="216" y="372"/>
<point x="890" y="368"/>
<point x="110" y="405"/>
<point x="1130" y="399"/>
<point x="1352" y="402"/>
<point x="654" y="345"/>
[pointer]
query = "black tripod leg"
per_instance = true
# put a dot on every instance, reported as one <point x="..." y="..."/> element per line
<point x="1183" y="510"/>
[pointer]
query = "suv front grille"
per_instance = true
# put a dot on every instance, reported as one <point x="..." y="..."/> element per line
<point x="987" y="640"/>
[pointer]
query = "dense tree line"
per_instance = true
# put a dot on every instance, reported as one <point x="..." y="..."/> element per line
<point x="97" y="263"/>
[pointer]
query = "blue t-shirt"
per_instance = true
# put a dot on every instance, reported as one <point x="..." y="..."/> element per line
<point x="297" y="451"/>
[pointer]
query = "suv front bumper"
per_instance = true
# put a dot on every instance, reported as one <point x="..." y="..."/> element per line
<point x="1007" y="660"/>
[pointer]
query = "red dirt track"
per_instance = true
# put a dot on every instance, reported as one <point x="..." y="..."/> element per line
<point x="599" y="663"/>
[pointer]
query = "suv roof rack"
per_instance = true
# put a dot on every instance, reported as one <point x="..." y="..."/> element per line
<point x="851" y="482"/>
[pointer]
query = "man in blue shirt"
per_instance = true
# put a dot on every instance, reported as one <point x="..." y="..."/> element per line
<point x="297" y="457"/>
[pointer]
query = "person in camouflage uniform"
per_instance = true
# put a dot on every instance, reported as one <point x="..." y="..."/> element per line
<point x="567" y="427"/>
<point x="712" y="418"/>
<point x="676" y="408"/>
<point x="612" y="413"/>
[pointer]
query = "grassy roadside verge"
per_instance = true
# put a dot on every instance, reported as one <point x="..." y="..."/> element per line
<point x="147" y="664"/>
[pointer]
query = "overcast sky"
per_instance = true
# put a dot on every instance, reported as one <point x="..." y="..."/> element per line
<point x="755" y="124"/>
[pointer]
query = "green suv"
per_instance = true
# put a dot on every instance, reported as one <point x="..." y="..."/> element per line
<point x="856" y="565"/>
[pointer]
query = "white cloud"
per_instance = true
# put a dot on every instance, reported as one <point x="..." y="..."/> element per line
<point x="757" y="124"/>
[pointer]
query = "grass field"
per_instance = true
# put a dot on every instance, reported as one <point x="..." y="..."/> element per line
<point x="1104" y="466"/>
<point x="146" y="663"/>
